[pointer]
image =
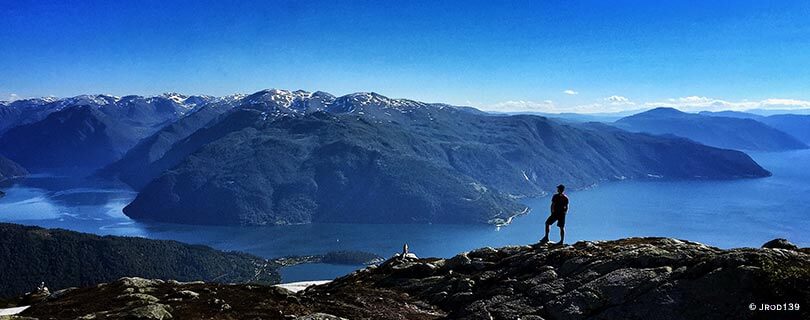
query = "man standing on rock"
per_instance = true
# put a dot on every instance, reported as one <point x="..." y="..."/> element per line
<point x="559" y="207"/>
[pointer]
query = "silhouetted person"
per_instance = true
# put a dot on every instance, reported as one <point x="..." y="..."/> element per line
<point x="559" y="207"/>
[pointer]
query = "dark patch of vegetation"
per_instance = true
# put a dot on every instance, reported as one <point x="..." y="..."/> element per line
<point x="780" y="272"/>
<point x="61" y="258"/>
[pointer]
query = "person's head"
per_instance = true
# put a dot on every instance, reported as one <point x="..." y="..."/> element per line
<point x="560" y="189"/>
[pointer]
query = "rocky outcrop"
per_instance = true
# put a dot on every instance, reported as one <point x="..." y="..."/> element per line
<point x="357" y="258"/>
<point x="636" y="278"/>
<point x="780" y="244"/>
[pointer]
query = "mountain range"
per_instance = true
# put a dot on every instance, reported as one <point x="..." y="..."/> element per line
<point x="797" y="125"/>
<point x="85" y="131"/>
<point x="283" y="157"/>
<point x="718" y="131"/>
<point x="138" y="165"/>
<point x="290" y="157"/>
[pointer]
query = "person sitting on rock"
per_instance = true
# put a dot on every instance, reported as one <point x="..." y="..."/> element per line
<point x="559" y="208"/>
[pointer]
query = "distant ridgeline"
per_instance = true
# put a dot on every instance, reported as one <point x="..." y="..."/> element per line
<point x="61" y="259"/>
<point x="282" y="157"/>
<point x="724" y="130"/>
<point x="797" y="125"/>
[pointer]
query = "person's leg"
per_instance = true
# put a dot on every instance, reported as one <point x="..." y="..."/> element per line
<point x="548" y="227"/>
<point x="549" y="221"/>
<point x="562" y="235"/>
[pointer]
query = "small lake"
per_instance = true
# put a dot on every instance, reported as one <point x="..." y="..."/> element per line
<point x="738" y="213"/>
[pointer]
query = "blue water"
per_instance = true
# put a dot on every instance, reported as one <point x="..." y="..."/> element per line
<point x="739" y="213"/>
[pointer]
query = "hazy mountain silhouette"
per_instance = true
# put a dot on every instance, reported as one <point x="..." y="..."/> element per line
<point x="797" y="125"/>
<point x="719" y="131"/>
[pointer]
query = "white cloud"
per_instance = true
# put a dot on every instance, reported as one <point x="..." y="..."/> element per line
<point x="619" y="100"/>
<point x="570" y="92"/>
<point x="618" y="103"/>
<point x="13" y="97"/>
<point x="549" y="106"/>
<point x="521" y="105"/>
<point x="614" y="103"/>
<point x="698" y="103"/>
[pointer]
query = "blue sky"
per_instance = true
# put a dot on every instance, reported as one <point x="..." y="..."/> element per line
<point x="586" y="56"/>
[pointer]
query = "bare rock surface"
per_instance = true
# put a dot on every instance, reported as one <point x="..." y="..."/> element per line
<point x="635" y="278"/>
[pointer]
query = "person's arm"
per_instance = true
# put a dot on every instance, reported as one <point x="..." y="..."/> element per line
<point x="551" y="208"/>
<point x="566" y="204"/>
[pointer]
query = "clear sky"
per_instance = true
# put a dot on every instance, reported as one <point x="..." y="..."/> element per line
<point x="586" y="56"/>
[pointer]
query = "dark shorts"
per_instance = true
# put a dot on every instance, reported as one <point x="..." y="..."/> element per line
<point x="558" y="217"/>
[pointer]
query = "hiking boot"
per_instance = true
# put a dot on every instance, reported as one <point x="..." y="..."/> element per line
<point x="544" y="240"/>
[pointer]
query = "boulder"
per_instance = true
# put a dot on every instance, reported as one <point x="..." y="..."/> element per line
<point x="780" y="243"/>
<point x="148" y="312"/>
<point x="460" y="261"/>
<point x="135" y="282"/>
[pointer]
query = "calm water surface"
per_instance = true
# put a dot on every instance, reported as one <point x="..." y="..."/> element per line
<point x="740" y="213"/>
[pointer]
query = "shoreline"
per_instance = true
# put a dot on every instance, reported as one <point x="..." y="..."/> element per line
<point x="508" y="221"/>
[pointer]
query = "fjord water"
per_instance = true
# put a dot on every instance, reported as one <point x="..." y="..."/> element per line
<point x="738" y="213"/>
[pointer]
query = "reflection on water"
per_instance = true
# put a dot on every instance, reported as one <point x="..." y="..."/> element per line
<point x="67" y="201"/>
<point x="720" y="213"/>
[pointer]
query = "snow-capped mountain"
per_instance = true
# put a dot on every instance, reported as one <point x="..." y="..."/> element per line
<point x="86" y="131"/>
<point x="369" y="105"/>
<point x="272" y="104"/>
<point x="274" y="101"/>
<point x="26" y="111"/>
